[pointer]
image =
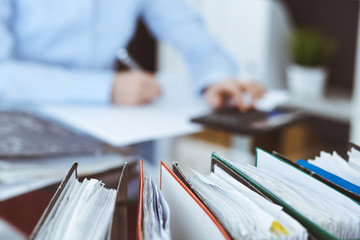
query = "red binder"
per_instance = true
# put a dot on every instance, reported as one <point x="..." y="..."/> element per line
<point x="189" y="217"/>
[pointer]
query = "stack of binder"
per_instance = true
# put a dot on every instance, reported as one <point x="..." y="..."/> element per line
<point x="192" y="217"/>
<point x="189" y="217"/>
<point x="190" y="206"/>
<point x="273" y="165"/>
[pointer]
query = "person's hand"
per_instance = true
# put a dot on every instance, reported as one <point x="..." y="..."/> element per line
<point x="135" y="88"/>
<point x="233" y="92"/>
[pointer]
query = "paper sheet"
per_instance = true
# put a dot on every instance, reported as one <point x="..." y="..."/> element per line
<point x="156" y="212"/>
<point x="168" y="116"/>
<point x="9" y="232"/>
<point x="335" y="164"/>
<point x="326" y="207"/>
<point x="272" y="99"/>
<point x="84" y="212"/>
<point x="354" y="159"/>
<point x="22" y="176"/>
<point x="245" y="214"/>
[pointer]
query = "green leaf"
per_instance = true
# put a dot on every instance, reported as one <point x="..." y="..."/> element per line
<point x="309" y="47"/>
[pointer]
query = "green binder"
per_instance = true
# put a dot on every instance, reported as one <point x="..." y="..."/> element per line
<point x="313" y="228"/>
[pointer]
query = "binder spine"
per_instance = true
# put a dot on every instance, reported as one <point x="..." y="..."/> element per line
<point x="140" y="206"/>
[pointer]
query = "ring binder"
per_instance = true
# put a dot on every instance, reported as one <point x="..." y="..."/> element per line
<point x="117" y="228"/>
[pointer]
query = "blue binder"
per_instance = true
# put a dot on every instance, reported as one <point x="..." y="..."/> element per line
<point x="331" y="177"/>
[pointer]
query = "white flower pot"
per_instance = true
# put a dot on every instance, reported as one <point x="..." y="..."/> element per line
<point x="306" y="81"/>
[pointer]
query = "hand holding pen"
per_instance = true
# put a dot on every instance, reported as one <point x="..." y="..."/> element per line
<point x="133" y="86"/>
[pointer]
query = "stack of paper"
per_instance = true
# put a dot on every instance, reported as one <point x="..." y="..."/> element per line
<point x="246" y="214"/>
<point x="341" y="219"/>
<point x="18" y="176"/>
<point x="335" y="164"/>
<point x="85" y="210"/>
<point x="156" y="212"/>
<point x="190" y="218"/>
<point x="354" y="159"/>
<point x="84" y="213"/>
<point x="7" y="231"/>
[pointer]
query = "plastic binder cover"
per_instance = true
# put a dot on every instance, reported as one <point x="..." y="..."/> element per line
<point x="189" y="217"/>
<point x="117" y="229"/>
<point x="282" y="168"/>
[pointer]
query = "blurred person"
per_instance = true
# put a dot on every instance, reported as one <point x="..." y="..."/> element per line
<point x="64" y="51"/>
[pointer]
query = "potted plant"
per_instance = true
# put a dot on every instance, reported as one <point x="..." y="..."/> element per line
<point x="310" y="51"/>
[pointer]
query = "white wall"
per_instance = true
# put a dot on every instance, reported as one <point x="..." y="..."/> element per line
<point x="253" y="31"/>
<point x="355" y="113"/>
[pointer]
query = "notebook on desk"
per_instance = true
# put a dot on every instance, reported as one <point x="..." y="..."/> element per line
<point x="35" y="152"/>
<point x="25" y="134"/>
<point x="252" y="122"/>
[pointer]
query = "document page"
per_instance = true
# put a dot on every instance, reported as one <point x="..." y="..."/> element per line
<point x="354" y="159"/>
<point x="244" y="213"/>
<point x="156" y="212"/>
<point x="84" y="212"/>
<point x="338" y="219"/>
<point x="335" y="164"/>
<point x="18" y="176"/>
<point x="167" y="116"/>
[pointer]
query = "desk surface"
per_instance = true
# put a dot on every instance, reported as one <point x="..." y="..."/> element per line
<point x="335" y="105"/>
<point x="168" y="116"/>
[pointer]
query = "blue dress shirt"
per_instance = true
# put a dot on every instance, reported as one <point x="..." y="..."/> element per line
<point x="64" y="50"/>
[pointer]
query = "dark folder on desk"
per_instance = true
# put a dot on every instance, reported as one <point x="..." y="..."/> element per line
<point x="30" y="141"/>
<point x="27" y="134"/>
<point x="116" y="229"/>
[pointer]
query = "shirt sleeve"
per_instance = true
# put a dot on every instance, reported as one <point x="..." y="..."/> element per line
<point x="36" y="82"/>
<point x="175" y="22"/>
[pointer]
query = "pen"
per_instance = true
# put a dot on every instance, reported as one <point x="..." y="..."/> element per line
<point x="124" y="57"/>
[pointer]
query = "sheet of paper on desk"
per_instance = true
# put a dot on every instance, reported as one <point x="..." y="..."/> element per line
<point x="272" y="99"/>
<point x="22" y="176"/>
<point x="166" y="117"/>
